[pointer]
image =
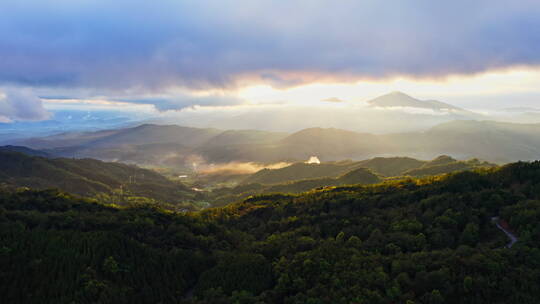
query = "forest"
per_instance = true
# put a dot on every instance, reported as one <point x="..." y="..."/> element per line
<point x="411" y="240"/>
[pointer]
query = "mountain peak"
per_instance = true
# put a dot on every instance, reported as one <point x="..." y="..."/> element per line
<point x="400" y="99"/>
<point x="398" y="93"/>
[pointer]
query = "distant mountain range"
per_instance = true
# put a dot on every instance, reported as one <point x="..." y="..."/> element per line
<point x="390" y="113"/>
<point x="184" y="147"/>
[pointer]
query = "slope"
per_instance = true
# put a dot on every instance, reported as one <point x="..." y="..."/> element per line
<point x="299" y="171"/>
<point x="419" y="241"/>
<point x="89" y="177"/>
<point x="399" y="99"/>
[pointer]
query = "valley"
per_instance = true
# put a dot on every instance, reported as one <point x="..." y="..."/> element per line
<point x="117" y="183"/>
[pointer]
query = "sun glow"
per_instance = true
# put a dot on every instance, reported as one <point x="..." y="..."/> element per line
<point x="509" y="81"/>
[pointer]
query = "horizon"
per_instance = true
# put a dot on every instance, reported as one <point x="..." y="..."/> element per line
<point x="92" y="65"/>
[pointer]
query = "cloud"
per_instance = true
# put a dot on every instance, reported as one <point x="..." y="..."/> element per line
<point x="183" y="101"/>
<point x="285" y="118"/>
<point x="21" y="105"/>
<point x="201" y="44"/>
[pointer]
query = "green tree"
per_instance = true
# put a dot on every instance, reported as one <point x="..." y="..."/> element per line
<point x="467" y="284"/>
<point x="110" y="265"/>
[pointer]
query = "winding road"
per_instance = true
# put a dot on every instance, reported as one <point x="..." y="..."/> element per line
<point x="513" y="238"/>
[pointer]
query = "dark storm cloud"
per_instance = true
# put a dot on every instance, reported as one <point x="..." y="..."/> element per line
<point x="114" y="45"/>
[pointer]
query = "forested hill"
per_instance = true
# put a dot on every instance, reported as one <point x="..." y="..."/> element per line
<point x="410" y="241"/>
<point x="89" y="177"/>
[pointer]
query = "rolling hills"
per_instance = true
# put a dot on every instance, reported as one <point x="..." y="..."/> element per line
<point x="120" y="183"/>
<point x="302" y="177"/>
<point x="114" y="182"/>
<point x="415" y="241"/>
<point x="383" y="166"/>
<point x="182" y="147"/>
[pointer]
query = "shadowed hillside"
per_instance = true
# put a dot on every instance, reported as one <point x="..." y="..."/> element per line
<point x="299" y="171"/>
<point x="89" y="177"/>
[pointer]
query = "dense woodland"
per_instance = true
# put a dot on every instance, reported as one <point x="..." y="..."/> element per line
<point x="429" y="240"/>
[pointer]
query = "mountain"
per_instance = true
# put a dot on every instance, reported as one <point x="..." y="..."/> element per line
<point x="66" y="139"/>
<point x="242" y="137"/>
<point x="89" y="177"/>
<point x="185" y="148"/>
<point x="301" y="177"/>
<point x="242" y="145"/>
<point x="140" y="135"/>
<point x="154" y="134"/>
<point x="391" y="166"/>
<point x="331" y="143"/>
<point x="489" y="140"/>
<point x="445" y="164"/>
<point x="440" y="160"/>
<point x="357" y="176"/>
<point x="158" y="145"/>
<point x="383" y="166"/>
<point x="299" y="171"/>
<point x="24" y="150"/>
<point x="418" y="241"/>
<point x="399" y="99"/>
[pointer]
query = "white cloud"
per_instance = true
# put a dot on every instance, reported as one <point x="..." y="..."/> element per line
<point x="21" y="104"/>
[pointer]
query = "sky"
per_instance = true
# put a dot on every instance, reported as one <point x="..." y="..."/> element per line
<point x="186" y="61"/>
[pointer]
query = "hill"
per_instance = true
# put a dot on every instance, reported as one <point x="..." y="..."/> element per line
<point x="158" y="145"/>
<point x="357" y="176"/>
<point x="384" y="166"/>
<point x="67" y="139"/>
<point x="420" y="241"/>
<point x="301" y="177"/>
<point x="445" y="164"/>
<point x="140" y="135"/>
<point x="391" y="166"/>
<point x="89" y="177"/>
<point x="299" y="171"/>
<point x="242" y="137"/>
<point x="489" y="140"/>
<point x="153" y="134"/>
<point x="154" y="145"/>
<point x="24" y="150"/>
<point x="331" y="144"/>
